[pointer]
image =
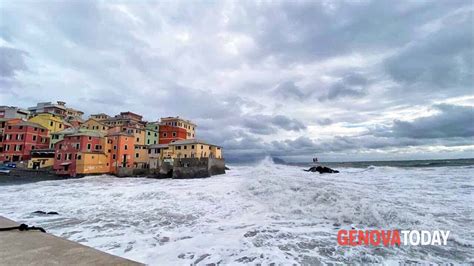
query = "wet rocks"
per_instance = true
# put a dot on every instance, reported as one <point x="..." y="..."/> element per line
<point x="45" y="213"/>
<point x="321" y="170"/>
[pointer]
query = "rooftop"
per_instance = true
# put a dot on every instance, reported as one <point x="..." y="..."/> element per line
<point x="191" y="141"/>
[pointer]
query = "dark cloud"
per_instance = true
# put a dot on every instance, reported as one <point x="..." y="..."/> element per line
<point x="266" y="124"/>
<point x="288" y="89"/>
<point x="253" y="74"/>
<point x="443" y="60"/>
<point x="452" y="121"/>
<point x="353" y="85"/>
<point x="11" y="61"/>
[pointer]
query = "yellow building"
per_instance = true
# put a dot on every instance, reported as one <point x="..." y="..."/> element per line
<point x="95" y="125"/>
<point x="190" y="148"/>
<point x="52" y="122"/>
<point x="141" y="159"/>
<point x="92" y="163"/>
<point x="182" y="123"/>
<point x="41" y="159"/>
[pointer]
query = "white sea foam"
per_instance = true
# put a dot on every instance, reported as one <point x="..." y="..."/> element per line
<point x="255" y="214"/>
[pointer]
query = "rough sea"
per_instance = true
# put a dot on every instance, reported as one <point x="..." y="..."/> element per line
<point x="258" y="214"/>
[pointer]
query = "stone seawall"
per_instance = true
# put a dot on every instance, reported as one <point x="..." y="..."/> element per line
<point x="37" y="248"/>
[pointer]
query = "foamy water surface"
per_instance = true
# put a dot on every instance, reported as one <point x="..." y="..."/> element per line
<point x="255" y="214"/>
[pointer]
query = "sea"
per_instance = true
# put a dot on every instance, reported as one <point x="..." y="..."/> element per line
<point x="264" y="213"/>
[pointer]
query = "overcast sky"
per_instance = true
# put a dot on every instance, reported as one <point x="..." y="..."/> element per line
<point x="357" y="80"/>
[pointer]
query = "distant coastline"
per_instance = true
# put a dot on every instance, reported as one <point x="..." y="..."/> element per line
<point x="389" y="163"/>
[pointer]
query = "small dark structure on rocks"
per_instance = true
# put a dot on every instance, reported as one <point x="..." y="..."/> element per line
<point x="321" y="170"/>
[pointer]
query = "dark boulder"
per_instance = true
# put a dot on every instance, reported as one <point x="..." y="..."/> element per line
<point x="45" y="213"/>
<point x="321" y="169"/>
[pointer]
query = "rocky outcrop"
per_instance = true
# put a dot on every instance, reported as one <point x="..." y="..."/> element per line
<point x="321" y="169"/>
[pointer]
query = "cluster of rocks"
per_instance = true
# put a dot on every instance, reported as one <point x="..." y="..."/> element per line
<point x="321" y="170"/>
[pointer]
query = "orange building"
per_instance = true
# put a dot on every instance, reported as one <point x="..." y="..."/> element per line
<point x="121" y="152"/>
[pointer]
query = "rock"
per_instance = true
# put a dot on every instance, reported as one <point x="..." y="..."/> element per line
<point x="321" y="169"/>
<point x="45" y="213"/>
<point x="227" y="168"/>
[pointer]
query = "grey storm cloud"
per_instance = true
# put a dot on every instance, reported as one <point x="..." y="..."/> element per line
<point x="266" y="124"/>
<point x="444" y="59"/>
<point x="451" y="121"/>
<point x="12" y="61"/>
<point x="259" y="78"/>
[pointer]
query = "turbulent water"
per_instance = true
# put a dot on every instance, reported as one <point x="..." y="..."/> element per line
<point x="256" y="214"/>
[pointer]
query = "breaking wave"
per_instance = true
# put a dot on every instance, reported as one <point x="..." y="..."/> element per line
<point x="265" y="213"/>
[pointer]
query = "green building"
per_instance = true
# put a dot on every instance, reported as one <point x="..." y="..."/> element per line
<point x="151" y="133"/>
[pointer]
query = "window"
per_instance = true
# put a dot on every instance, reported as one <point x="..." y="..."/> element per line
<point x="185" y="147"/>
<point x="138" y="139"/>
<point x="202" y="147"/>
<point x="147" y="141"/>
<point x="137" y="155"/>
<point x="60" y="125"/>
<point x="97" y="147"/>
<point x="115" y="147"/>
<point x="21" y="127"/>
<point x="35" y="129"/>
<point x="148" y="133"/>
<point x="164" y="135"/>
<point x="174" y="134"/>
<point x="125" y="147"/>
<point x="192" y="147"/>
<point x="58" y="157"/>
<point x="113" y="156"/>
<point x="109" y="151"/>
<point x="88" y="146"/>
<point x="32" y="147"/>
<point x="90" y="138"/>
<point x="60" y="146"/>
<point x="51" y="123"/>
<point x="42" y="130"/>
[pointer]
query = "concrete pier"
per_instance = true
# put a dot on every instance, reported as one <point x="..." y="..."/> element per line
<point x="37" y="248"/>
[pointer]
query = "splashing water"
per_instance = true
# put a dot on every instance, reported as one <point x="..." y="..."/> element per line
<point x="255" y="214"/>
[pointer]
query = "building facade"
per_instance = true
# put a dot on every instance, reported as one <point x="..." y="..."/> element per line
<point x="20" y="138"/>
<point x="52" y="122"/>
<point x="10" y="112"/>
<point x="189" y="126"/>
<point x="81" y="153"/>
<point x="168" y="134"/>
<point x="152" y="131"/>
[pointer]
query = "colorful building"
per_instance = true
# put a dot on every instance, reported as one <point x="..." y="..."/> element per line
<point x="52" y="122"/>
<point x="152" y="131"/>
<point x="96" y="125"/>
<point x="168" y="134"/>
<point x="20" y="138"/>
<point x="123" y="119"/>
<point x="41" y="159"/>
<point x="58" y="109"/>
<point x="189" y="126"/>
<point x="190" y="148"/>
<point x="10" y="112"/>
<point x="100" y="116"/>
<point x="82" y="153"/>
<point x="122" y="149"/>
<point x="141" y="159"/>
